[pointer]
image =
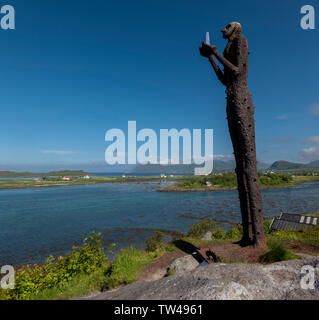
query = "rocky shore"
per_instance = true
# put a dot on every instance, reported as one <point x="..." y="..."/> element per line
<point x="219" y="281"/>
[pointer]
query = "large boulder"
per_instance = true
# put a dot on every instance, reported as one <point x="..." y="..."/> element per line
<point x="184" y="264"/>
<point x="278" y="281"/>
<point x="207" y="236"/>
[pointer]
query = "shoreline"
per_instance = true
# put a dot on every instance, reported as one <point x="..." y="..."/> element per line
<point x="147" y="179"/>
<point x="210" y="189"/>
<point x="87" y="183"/>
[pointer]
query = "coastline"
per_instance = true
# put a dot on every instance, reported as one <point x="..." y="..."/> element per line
<point x="84" y="183"/>
<point x="211" y="189"/>
<point x="30" y="184"/>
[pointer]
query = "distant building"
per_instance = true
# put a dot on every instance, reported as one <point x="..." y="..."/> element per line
<point x="67" y="178"/>
<point x="87" y="177"/>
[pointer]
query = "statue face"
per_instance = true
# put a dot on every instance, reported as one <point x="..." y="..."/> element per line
<point x="228" y="31"/>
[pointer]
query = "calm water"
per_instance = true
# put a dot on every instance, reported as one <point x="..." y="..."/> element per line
<point x="38" y="222"/>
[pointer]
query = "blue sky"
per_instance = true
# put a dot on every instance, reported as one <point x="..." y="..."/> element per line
<point x="74" y="69"/>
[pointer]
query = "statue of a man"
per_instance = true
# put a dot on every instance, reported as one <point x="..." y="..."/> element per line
<point x="240" y="115"/>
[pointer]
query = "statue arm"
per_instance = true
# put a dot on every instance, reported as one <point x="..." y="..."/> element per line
<point x="217" y="70"/>
<point x="225" y="62"/>
<point x="241" y="55"/>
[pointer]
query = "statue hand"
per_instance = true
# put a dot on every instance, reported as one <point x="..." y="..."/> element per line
<point x="207" y="50"/>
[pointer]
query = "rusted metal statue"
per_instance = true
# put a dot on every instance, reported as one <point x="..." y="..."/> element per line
<point x="240" y="115"/>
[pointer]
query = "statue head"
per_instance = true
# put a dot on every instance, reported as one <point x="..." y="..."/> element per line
<point x="232" y="30"/>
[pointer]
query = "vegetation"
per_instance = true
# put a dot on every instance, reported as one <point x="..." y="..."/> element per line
<point x="58" y="181"/>
<point x="214" y="182"/>
<point x="57" y="273"/>
<point x="272" y="179"/>
<point x="155" y="243"/>
<point x="128" y="266"/>
<point x="84" y="270"/>
<point x="308" y="236"/>
<point x="170" y="272"/>
<point x="10" y="174"/>
<point x="277" y="252"/>
<point x="219" y="181"/>
<point x="228" y="181"/>
<point x="198" y="229"/>
<point x="234" y="233"/>
<point x="314" y="214"/>
<point x="88" y="268"/>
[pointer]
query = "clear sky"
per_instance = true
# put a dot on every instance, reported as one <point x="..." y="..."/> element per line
<point x="74" y="69"/>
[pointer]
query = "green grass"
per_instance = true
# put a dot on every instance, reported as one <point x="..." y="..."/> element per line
<point x="229" y="182"/>
<point x="10" y="174"/>
<point x="128" y="265"/>
<point x="76" y="287"/>
<point x="54" y="182"/>
<point x="56" y="273"/>
<point x="277" y="252"/>
<point x="87" y="269"/>
<point x="310" y="236"/>
<point x="314" y="214"/>
<point x="170" y="272"/>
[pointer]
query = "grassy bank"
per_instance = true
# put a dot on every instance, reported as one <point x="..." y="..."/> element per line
<point x="223" y="182"/>
<point x="88" y="268"/>
<point x="84" y="270"/>
<point x="11" y="174"/>
<point x="59" y="182"/>
<point x="228" y="182"/>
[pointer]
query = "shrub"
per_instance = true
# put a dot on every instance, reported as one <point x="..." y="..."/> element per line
<point x="277" y="252"/>
<point x="272" y="179"/>
<point x="128" y="265"/>
<point x="218" y="234"/>
<point x="225" y="180"/>
<point x="267" y="224"/>
<point x="170" y="272"/>
<point x="198" y="229"/>
<point x="155" y="242"/>
<point x="55" y="273"/>
<point x="310" y="236"/>
<point x="234" y="232"/>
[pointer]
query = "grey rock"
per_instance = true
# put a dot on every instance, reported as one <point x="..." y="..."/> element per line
<point x="278" y="281"/>
<point x="184" y="264"/>
<point x="207" y="236"/>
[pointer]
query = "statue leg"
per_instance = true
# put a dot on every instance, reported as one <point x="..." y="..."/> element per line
<point x="241" y="126"/>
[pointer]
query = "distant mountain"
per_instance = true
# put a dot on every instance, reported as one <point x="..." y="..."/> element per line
<point x="263" y="165"/>
<point x="219" y="165"/>
<point x="169" y="169"/>
<point x="286" y="165"/>
<point x="313" y="164"/>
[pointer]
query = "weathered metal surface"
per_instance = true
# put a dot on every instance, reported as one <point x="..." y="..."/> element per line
<point x="241" y="123"/>
<point x="295" y="222"/>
